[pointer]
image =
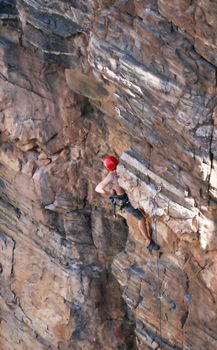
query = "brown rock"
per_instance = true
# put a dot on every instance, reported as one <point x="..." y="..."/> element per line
<point x="80" y="80"/>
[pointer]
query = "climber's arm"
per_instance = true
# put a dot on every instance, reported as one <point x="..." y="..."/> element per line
<point x="100" y="188"/>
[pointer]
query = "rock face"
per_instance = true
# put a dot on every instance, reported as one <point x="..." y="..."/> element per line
<point x="81" y="79"/>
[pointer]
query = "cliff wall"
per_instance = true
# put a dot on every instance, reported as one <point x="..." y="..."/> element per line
<point x="79" y="80"/>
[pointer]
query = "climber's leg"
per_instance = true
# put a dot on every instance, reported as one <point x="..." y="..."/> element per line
<point x="151" y="245"/>
<point x="143" y="229"/>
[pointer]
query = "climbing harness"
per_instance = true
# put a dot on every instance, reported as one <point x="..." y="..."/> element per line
<point x="120" y="200"/>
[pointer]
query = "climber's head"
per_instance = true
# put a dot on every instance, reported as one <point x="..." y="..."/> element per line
<point x="110" y="162"/>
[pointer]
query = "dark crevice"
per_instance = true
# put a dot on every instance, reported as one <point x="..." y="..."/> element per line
<point x="2" y="77"/>
<point x="211" y="156"/>
<point x="165" y="344"/>
<point x="12" y="260"/>
<point x="203" y="58"/>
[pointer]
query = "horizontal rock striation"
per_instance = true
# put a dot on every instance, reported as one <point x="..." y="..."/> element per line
<point x="81" y="79"/>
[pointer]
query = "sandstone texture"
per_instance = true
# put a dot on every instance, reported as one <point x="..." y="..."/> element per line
<point x="79" y="80"/>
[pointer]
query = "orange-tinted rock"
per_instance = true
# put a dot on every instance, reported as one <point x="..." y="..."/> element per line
<point x="80" y="80"/>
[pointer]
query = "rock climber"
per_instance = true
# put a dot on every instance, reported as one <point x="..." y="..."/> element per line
<point x="109" y="186"/>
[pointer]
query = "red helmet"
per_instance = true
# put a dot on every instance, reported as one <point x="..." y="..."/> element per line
<point x="110" y="162"/>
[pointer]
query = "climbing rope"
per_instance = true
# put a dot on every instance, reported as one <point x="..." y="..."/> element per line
<point x="159" y="296"/>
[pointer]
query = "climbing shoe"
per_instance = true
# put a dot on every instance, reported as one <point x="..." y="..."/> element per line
<point x="153" y="246"/>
